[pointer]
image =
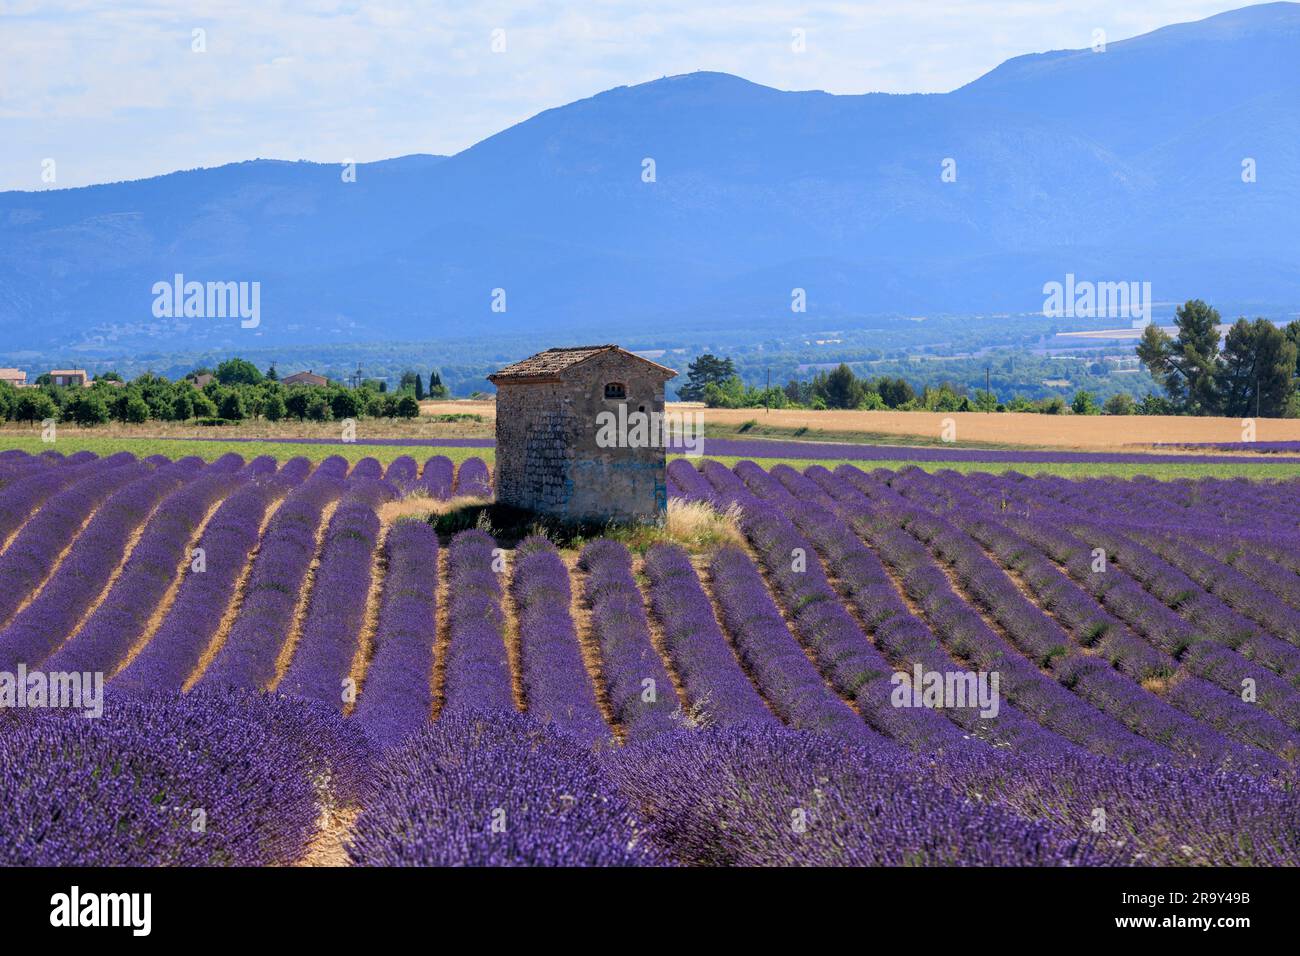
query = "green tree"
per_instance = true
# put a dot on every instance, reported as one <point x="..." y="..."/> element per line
<point x="842" y="389"/>
<point x="705" y="370"/>
<point x="296" y="402"/>
<point x="271" y="374"/>
<point x="183" y="405"/>
<point x="945" y="398"/>
<point x="895" y="391"/>
<point x="1084" y="403"/>
<point x="728" y="394"/>
<point x="1257" y="373"/>
<point x="237" y="371"/>
<point x="1292" y="333"/>
<point x="1153" y="404"/>
<point x="871" y="400"/>
<point x="231" y="406"/>
<point x="1051" y="406"/>
<point x="318" y="406"/>
<point x="1121" y="403"/>
<point x="437" y="390"/>
<point x="1186" y="366"/>
<point x="346" y="404"/>
<point x="274" y="409"/>
<point x="88" y="409"/>
<point x="798" y="392"/>
<point x="34" y="406"/>
<point x="408" y="407"/>
<point x="135" y="410"/>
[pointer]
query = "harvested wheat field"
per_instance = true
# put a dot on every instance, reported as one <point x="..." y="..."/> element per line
<point x="1006" y="428"/>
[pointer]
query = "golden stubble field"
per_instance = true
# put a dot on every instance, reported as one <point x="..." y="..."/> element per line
<point x="1056" y="431"/>
<point x="477" y="419"/>
<point x="1007" y="428"/>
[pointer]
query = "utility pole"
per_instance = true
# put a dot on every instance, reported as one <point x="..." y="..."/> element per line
<point x="767" y="401"/>
<point x="988" y="371"/>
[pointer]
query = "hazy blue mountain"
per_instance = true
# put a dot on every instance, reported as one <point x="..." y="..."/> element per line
<point x="1122" y="165"/>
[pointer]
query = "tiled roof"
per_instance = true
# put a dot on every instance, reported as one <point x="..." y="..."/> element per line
<point x="297" y="377"/>
<point x="552" y="363"/>
<point x="67" y="371"/>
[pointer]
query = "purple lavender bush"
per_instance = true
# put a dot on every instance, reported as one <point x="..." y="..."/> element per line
<point x="496" y="790"/>
<point x="438" y="477"/>
<point x="174" y="651"/>
<point x="768" y="796"/>
<point x="556" y="684"/>
<point x="640" y="692"/>
<point x="474" y="479"/>
<point x="716" y="688"/>
<point x="336" y="610"/>
<point x="397" y="696"/>
<point x="198" y="780"/>
<point x="477" y="672"/>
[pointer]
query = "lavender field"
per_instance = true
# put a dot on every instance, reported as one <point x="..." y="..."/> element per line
<point x="882" y="667"/>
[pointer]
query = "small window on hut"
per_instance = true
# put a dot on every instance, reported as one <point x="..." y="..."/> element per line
<point x="615" y="390"/>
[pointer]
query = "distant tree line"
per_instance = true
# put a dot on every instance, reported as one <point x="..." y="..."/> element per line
<point x="1254" y="373"/>
<point x="714" y="381"/>
<point x="237" y="391"/>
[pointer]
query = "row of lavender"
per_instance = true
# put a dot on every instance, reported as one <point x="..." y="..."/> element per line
<point x="243" y="771"/>
<point x="1166" y="454"/>
<point x="1098" y="766"/>
<point x="884" y="517"/>
<point x="734" y="791"/>
<point x="72" y="604"/>
<point x="503" y="788"/>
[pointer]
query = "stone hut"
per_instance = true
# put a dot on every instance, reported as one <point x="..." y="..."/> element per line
<point x="580" y="434"/>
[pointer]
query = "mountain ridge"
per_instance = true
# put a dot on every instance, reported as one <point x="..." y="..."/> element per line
<point x="1122" y="165"/>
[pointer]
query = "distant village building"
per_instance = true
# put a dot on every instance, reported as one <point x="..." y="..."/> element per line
<point x="14" y="376"/>
<point x="304" y="378"/>
<point x="69" y="377"/>
<point x="554" y="453"/>
<point x="203" y="381"/>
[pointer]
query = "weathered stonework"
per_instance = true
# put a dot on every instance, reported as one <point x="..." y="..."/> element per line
<point x="548" y="459"/>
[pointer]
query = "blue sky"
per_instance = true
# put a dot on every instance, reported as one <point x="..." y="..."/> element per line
<point x="111" y="89"/>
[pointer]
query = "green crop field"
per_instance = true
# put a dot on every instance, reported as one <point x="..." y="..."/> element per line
<point x="211" y="450"/>
<point x="282" y="451"/>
